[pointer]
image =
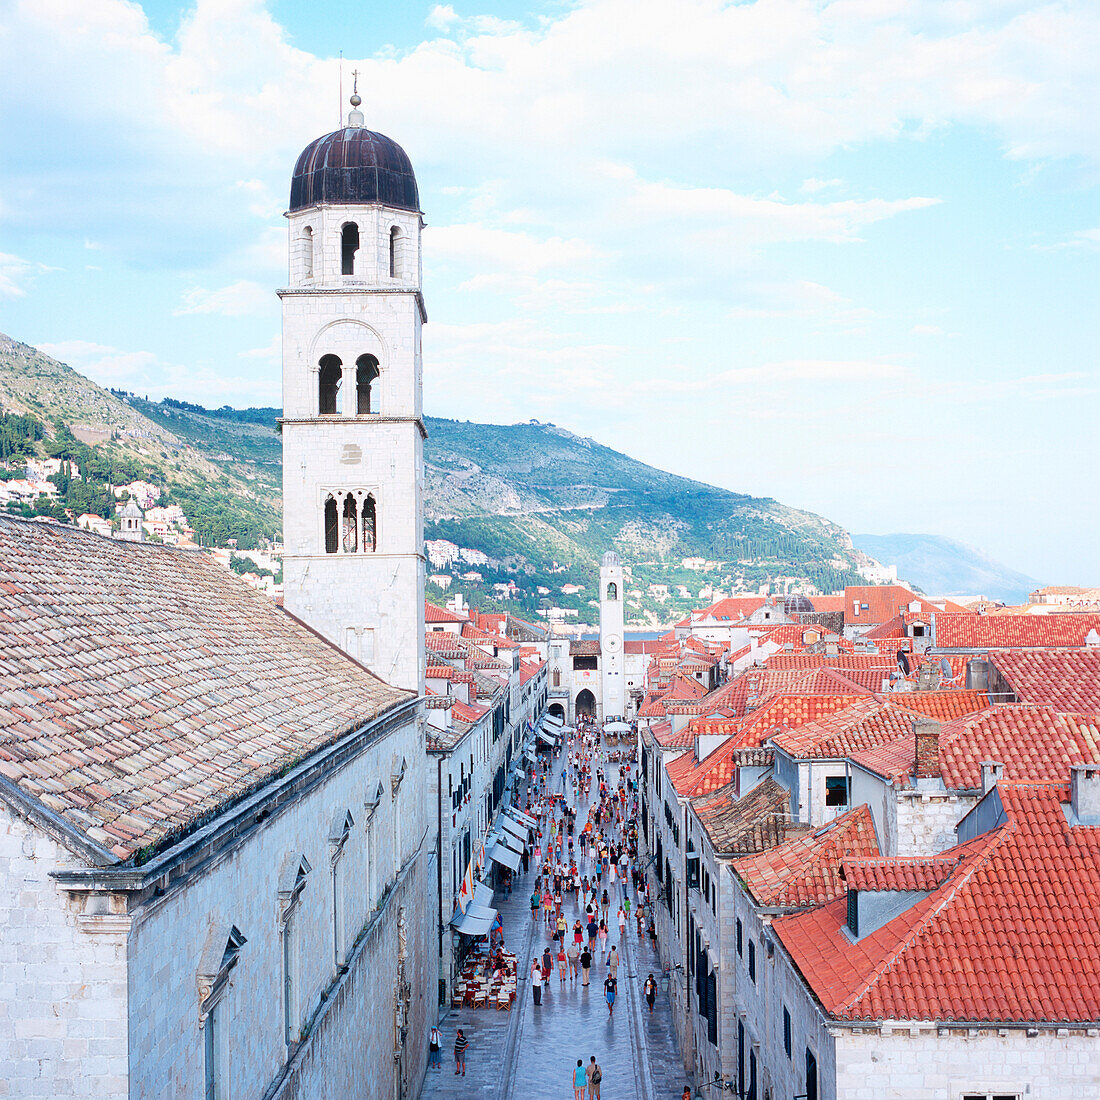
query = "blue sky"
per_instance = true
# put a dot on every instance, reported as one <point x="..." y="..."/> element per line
<point x="842" y="254"/>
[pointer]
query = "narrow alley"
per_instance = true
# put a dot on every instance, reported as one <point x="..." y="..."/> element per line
<point x="532" y="1050"/>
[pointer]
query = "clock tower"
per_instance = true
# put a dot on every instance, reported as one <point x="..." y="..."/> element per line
<point x="612" y="660"/>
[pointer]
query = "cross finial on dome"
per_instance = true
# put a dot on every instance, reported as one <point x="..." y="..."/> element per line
<point x="355" y="116"/>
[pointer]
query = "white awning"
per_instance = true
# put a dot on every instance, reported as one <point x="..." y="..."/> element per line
<point x="476" y="921"/>
<point x="522" y="818"/>
<point x="548" y="739"/>
<point x="616" y="727"/>
<point x="553" y="720"/>
<point x="566" y="729"/>
<point x="530" y="755"/>
<point x="483" y="895"/>
<point x="508" y="840"/>
<point x="514" y="827"/>
<point x="505" y="856"/>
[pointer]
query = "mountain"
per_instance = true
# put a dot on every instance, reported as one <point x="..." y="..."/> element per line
<point x="532" y="504"/>
<point x="946" y="567"/>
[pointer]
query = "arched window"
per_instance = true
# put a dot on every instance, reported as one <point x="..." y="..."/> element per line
<point x="349" y="529"/>
<point x="307" y="252"/>
<point x="612" y="591"/>
<point x="349" y="245"/>
<point x="557" y="677"/>
<point x="395" y="238"/>
<point x="366" y="372"/>
<point x="370" y="525"/>
<point x="332" y="539"/>
<point x="328" y="386"/>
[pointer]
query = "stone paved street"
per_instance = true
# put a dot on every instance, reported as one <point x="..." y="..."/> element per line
<point x="530" y="1052"/>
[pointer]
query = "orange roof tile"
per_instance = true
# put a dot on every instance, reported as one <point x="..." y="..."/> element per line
<point x="897" y="873"/>
<point x="759" y="820"/>
<point x="863" y="725"/>
<point x="980" y="632"/>
<point x="806" y="869"/>
<point x="878" y="603"/>
<point x="1067" y="679"/>
<point x="433" y="614"/>
<point x="1013" y="934"/>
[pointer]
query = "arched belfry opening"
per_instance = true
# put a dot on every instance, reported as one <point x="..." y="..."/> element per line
<point x="585" y="704"/>
<point x="307" y="252"/>
<point x="395" y="258"/>
<point x="366" y="393"/>
<point x="328" y="385"/>
<point x="349" y="529"/>
<point x="370" y="524"/>
<point x="612" y="591"/>
<point x="349" y="246"/>
<point x="332" y="526"/>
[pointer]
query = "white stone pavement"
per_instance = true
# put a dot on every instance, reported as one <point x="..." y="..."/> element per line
<point x="531" y="1051"/>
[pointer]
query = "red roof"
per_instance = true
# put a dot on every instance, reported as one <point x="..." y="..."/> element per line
<point x="878" y="603"/>
<point x="691" y="777"/>
<point x="433" y="614"/>
<point x="1066" y="679"/>
<point x="863" y="725"/>
<point x="822" y="604"/>
<point x="941" y="705"/>
<point x="1034" y="744"/>
<point x="1013" y="935"/>
<point x="899" y="873"/>
<point x="806" y="870"/>
<point x="733" y="608"/>
<point x="840" y="661"/>
<point x="955" y="631"/>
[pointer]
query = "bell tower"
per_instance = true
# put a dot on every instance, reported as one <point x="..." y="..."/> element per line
<point x="352" y="425"/>
<point x="612" y="661"/>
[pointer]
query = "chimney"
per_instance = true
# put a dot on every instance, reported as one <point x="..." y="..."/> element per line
<point x="1084" y="793"/>
<point x="927" y="733"/>
<point x="977" y="675"/>
<point x="992" y="774"/>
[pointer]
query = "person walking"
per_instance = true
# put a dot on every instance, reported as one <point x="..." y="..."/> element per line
<point x="573" y="955"/>
<point x="580" y="1080"/>
<point x="547" y="965"/>
<point x="435" y="1059"/>
<point x="536" y="981"/>
<point x="622" y="922"/>
<point x="610" y="988"/>
<point x="613" y="962"/>
<point x="586" y="965"/>
<point x="526" y="857"/>
<point x="536" y="901"/>
<point x="461" y="1043"/>
<point x="603" y="940"/>
<point x="595" y="1076"/>
<point x="563" y="963"/>
<point x="650" y="990"/>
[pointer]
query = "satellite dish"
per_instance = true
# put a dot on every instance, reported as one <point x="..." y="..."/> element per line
<point x="945" y="668"/>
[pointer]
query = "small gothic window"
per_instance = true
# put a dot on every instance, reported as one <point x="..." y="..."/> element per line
<point x="370" y="525"/>
<point x="349" y="532"/>
<point x="557" y="677"/>
<point x="332" y="542"/>
<point x="366" y="373"/>
<point x="307" y="252"/>
<point x="349" y="245"/>
<point x="395" y="238"/>
<point x="612" y="591"/>
<point x="328" y="385"/>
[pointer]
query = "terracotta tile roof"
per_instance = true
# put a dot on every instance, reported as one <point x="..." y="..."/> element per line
<point x="883" y="602"/>
<point x="433" y="614"/>
<point x="446" y="645"/>
<point x="1066" y="679"/>
<point x="142" y="687"/>
<point x="822" y="604"/>
<point x="1034" y="744"/>
<point x="693" y="777"/>
<point x="759" y="820"/>
<point x="842" y="661"/>
<point x="787" y="712"/>
<point x="980" y="632"/>
<point x="529" y="669"/>
<point x="485" y="637"/>
<point x="584" y="649"/>
<point x="642" y="645"/>
<point x="863" y="725"/>
<point x="892" y="629"/>
<point x="732" y="609"/>
<point x="941" y="705"/>
<point x="1013" y="935"/>
<point x="806" y="869"/>
<point x="898" y="873"/>
<point x="663" y="735"/>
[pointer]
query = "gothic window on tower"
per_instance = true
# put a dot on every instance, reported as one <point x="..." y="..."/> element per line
<point x="612" y="591"/>
<point x="328" y="385"/>
<point x="351" y="522"/>
<point x="307" y="252"/>
<point x="395" y="259"/>
<point x="366" y="374"/>
<point x="349" y="245"/>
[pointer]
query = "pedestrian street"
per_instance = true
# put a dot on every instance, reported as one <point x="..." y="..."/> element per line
<point x="531" y="1051"/>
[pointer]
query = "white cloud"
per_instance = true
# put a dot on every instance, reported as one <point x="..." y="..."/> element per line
<point x="441" y="18"/>
<point x="502" y="251"/>
<point x="271" y="353"/>
<point x="926" y="330"/>
<point x="237" y="300"/>
<point x="16" y="274"/>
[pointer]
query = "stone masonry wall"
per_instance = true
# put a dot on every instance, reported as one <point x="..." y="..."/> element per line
<point x="63" y="981"/>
